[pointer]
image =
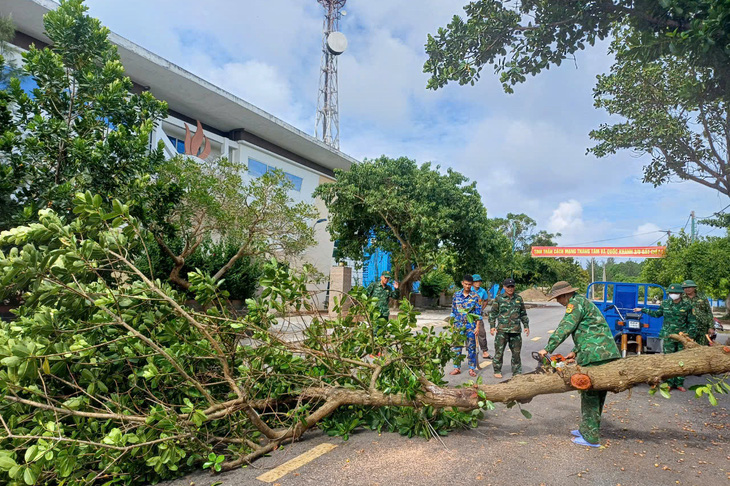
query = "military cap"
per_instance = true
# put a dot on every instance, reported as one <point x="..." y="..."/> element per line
<point x="477" y="277"/>
<point x="385" y="274"/>
<point x="508" y="282"/>
<point x="688" y="283"/>
<point x="675" y="288"/>
<point x="561" y="288"/>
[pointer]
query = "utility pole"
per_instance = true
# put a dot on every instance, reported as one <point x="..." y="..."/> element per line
<point x="593" y="279"/>
<point x="693" y="230"/>
<point x="514" y="242"/>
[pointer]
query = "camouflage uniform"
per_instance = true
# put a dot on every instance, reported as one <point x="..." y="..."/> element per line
<point x="703" y="318"/>
<point x="462" y="305"/>
<point x="594" y="345"/>
<point x="678" y="317"/>
<point x="508" y="315"/>
<point x="383" y="294"/>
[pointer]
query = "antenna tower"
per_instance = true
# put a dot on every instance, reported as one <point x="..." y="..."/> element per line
<point x="334" y="43"/>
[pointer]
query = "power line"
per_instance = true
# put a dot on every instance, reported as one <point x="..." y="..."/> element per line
<point x="685" y="224"/>
<point x="717" y="213"/>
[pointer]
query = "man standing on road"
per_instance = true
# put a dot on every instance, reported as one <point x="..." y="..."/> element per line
<point x="594" y="345"/>
<point x="701" y="310"/>
<point x="506" y="319"/>
<point x="383" y="292"/>
<point x="678" y="317"/>
<point x="481" y="330"/>
<point x="465" y="310"/>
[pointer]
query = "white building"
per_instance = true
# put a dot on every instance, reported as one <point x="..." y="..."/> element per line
<point x="235" y="128"/>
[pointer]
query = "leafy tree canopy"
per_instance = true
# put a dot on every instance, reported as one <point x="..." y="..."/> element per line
<point x="81" y="128"/>
<point x="193" y="199"/>
<point x="705" y="260"/>
<point x="417" y="213"/>
<point x="669" y="112"/>
<point x="523" y="37"/>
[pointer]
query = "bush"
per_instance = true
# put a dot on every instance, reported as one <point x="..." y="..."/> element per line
<point x="241" y="281"/>
<point x="435" y="282"/>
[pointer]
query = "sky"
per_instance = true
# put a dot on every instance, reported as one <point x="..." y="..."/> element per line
<point x="527" y="150"/>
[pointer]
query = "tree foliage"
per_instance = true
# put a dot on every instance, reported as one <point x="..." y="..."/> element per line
<point x="670" y="82"/>
<point x="541" y="272"/>
<point x="82" y="127"/>
<point x="108" y="378"/>
<point x="194" y="199"/>
<point x="520" y="38"/>
<point x="671" y="113"/>
<point x="705" y="260"/>
<point x="417" y="213"/>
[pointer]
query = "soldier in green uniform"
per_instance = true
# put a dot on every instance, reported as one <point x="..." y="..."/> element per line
<point x="701" y="310"/>
<point x="383" y="292"/>
<point x="594" y="345"/>
<point x="506" y="319"/>
<point x="678" y="317"/>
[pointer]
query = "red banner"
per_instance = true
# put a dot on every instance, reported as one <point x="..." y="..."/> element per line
<point x="599" y="251"/>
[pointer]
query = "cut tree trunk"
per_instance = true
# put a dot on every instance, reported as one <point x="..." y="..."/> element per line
<point x="616" y="376"/>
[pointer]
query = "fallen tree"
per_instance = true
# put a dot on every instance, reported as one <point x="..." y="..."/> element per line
<point x="107" y="376"/>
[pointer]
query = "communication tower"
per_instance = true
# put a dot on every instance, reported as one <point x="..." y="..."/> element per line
<point x="334" y="43"/>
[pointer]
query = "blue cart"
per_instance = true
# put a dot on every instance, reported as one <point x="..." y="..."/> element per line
<point x="633" y="331"/>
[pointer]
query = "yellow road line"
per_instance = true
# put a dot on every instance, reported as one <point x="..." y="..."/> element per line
<point x="551" y="331"/>
<point x="484" y="364"/>
<point x="536" y="338"/>
<point x="296" y="463"/>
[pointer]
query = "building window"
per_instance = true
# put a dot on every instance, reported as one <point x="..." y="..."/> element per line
<point x="257" y="169"/>
<point x="296" y="181"/>
<point x="178" y="144"/>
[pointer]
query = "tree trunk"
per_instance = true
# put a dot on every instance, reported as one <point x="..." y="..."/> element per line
<point x="405" y="286"/>
<point x="616" y="376"/>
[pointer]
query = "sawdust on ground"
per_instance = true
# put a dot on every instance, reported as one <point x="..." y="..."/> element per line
<point x="533" y="295"/>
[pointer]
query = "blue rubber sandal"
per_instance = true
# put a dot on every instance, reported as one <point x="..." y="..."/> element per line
<point x="582" y="442"/>
<point x="576" y="433"/>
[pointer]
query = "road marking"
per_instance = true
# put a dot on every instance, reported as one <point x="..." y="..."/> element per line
<point x="484" y="364"/>
<point x="296" y="463"/>
<point x="551" y="331"/>
<point x="536" y="338"/>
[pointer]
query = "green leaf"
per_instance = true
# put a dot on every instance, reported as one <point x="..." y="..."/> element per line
<point x="665" y="393"/>
<point x="30" y="476"/>
<point x="527" y="414"/>
<point x="6" y="462"/>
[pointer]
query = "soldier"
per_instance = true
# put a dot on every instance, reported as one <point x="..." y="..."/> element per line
<point x="506" y="319"/>
<point x="678" y="317"/>
<point x="481" y="330"/>
<point x="465" y="310"/>
<point x="594" y="345"/>
<point x="383" y="292"/>
<point x="701" y="310"/>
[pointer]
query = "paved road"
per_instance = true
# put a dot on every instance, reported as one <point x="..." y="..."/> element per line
<point x="648" y="441"/>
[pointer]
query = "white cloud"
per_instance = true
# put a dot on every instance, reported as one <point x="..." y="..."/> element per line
<point x="566" y="218"/>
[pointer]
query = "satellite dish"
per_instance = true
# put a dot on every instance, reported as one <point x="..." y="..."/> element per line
<point x="336" y="43"/>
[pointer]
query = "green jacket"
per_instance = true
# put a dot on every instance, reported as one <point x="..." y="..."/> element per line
<point x="508" y="313"/>
<point x="702" y="313"/>
<point x="677" y="317"/>
<point x="593" y="340"/>
<point x="383" y="294"/>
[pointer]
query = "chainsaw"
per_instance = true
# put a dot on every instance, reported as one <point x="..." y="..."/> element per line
<point x="548" y="363"/>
